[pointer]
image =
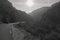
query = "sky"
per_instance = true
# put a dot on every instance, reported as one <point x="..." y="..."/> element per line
<point x="28" y="7"/>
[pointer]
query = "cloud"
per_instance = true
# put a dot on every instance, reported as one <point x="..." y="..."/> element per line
<point x="20" y="4"/>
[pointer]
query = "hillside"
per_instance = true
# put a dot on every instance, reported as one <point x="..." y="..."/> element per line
<point x="37" y="14"/>
<point x="9" y="14"/>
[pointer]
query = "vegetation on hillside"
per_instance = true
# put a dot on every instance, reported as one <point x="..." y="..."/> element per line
<point x="44" y="24"/>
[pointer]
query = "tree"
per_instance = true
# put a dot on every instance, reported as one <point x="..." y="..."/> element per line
<point x="10" y="14"/>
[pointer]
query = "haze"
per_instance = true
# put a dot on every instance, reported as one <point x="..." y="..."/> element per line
<point x="34" y="4"/>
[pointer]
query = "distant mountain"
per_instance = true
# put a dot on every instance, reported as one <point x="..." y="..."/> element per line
<point x="37" y="14"/>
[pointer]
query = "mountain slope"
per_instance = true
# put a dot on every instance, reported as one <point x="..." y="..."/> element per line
<point x="37" y="14"/>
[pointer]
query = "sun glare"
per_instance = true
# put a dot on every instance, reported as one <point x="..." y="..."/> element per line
<point x="29" y="3"/>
